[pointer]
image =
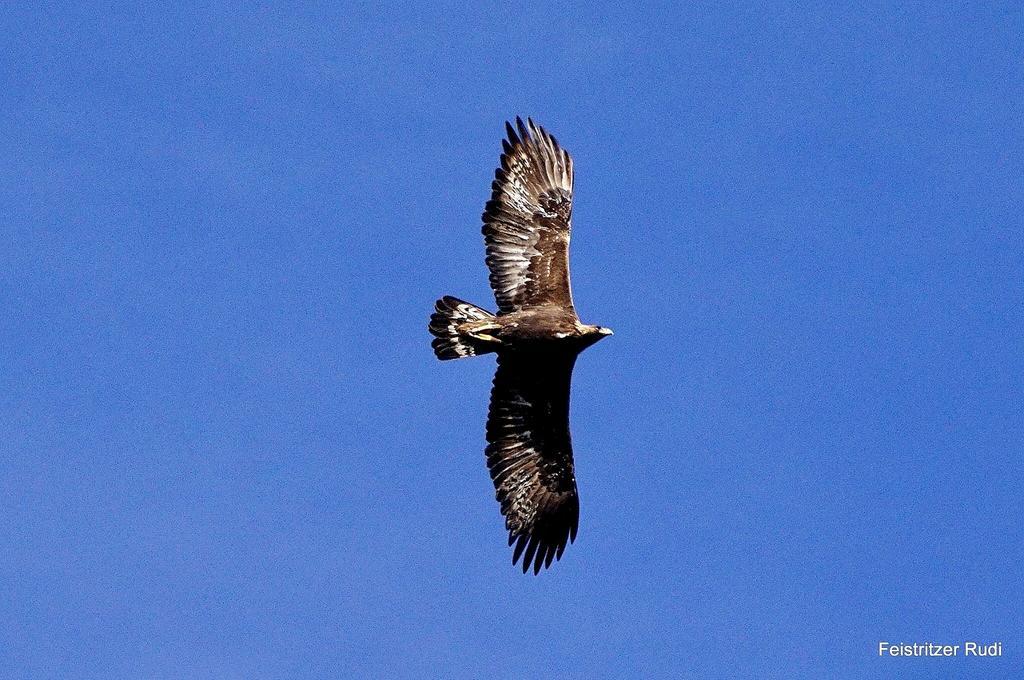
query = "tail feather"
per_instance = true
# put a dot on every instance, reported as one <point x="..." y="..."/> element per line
<point x="447" y="326"/>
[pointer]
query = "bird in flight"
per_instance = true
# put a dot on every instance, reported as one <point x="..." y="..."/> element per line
<point x="537" y="337"/>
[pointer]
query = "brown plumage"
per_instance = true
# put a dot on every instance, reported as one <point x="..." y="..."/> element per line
<point x="537" y="336"/>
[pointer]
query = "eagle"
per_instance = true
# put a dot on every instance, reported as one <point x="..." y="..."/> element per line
<point x="537" y="337"/>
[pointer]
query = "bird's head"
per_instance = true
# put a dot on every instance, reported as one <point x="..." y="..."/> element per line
<point x="592" y="334"/>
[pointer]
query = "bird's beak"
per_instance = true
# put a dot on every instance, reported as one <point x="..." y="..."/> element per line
<point x="605" y="331"/>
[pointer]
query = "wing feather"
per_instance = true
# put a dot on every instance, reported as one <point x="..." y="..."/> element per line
<point x="529" y="454"/>
<point x="527" y="222"/>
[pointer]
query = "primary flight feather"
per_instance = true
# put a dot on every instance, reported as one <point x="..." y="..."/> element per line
<point x="537" y="337"/>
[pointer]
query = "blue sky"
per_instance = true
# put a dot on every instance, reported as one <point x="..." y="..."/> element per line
<point x="228" y="452"/>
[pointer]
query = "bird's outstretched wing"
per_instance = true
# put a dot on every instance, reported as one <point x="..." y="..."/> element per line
<point x="529" y="454"/>
<point x="528" y="220"/>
